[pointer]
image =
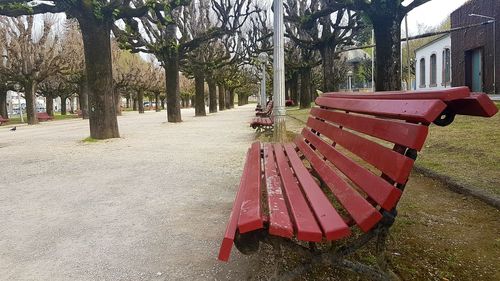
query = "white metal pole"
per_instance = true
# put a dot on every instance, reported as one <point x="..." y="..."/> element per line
<point x="373" y="61"/>
<point x="279" y="60"/>
<point x="263" y="95"/>
<point x="494" y="57"/>
<point x="408" y="81"/>
<point x="279" y="73"/>
<point x="20" y="107"/>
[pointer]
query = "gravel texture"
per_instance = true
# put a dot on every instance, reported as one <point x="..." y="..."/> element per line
<point x="150" y="206"/>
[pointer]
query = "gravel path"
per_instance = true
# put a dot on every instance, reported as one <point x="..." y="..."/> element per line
<point x="150" y="206"/>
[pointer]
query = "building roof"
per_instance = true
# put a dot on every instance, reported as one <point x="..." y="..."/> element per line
<point x="441" y="37"/>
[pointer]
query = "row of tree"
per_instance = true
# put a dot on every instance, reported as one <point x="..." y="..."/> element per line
<point x="217" y="42"/>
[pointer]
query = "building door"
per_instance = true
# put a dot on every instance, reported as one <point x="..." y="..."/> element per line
<point x="477" y="70"/>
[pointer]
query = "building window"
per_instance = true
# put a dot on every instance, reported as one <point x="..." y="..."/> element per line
<point x="446" y="67"/>
<point x="422" y="73"/>
<point x="433" y="71"/>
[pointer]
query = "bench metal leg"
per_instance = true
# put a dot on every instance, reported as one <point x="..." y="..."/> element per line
<point x="335" y="257"/>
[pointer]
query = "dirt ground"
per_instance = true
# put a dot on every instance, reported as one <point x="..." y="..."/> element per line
<point x="153" y="206"/>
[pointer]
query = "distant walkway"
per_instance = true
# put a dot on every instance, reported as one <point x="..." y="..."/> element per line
<point x="150" y="206"/>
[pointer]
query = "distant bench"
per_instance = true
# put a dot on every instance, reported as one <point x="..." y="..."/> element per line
<point x="264" y="119"/>
<point x="344" y="174"/>
<point x="3" y="120"/>
<point x="43" y="116"/>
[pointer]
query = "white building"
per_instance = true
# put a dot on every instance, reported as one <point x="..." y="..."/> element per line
<point x="433" y="64"/>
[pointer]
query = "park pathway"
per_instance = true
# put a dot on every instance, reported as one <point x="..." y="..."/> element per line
<point x="149" y="206"/>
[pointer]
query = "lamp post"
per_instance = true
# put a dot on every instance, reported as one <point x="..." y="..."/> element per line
<point x="279" y="73"/>
<point x="494" y="22"/>
<point x="263" y="62"/>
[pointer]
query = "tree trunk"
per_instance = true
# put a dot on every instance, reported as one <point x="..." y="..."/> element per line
<point x="305" y="87"/>
<point x="3" y="104"/>
<point x="222" y="98"/>
<point x="328" y="64"/>
<point x="63" y="106"/>
<point x="128" y="102"/>
<point x="118" y="103"/>
<point x="199" y="85"/>
<point x="49" y="104"/>
<point x="287" y="90"/>
<point x="134" y="104"/>
<point x="140" y="101"/>
<point x="157" y="102"/>
<point x="294" y="87"/>
<point x="231" y="98"/>
<point x="172" y="73"/>
<point x="193" y="101"/>
<point x="30" y="96"/>
<point x="97" y="48"/>
<point x="84" y="99"/>
<point x="387" y="64"/>
<point x="212" y="93"/>
<point x="162" y="103"/>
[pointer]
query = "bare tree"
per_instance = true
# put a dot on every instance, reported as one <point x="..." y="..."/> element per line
<point x="95" y="19"/>
<point x="159" y="37"/>
<point x="386" y="18"/>
<point x="31" y="57"/>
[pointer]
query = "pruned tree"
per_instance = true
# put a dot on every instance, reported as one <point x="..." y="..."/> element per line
<point x="156" y="33"/>
<point x="31" y="57"/>
<point x="386" y="17"/>
<point x="314" y="25"/>
<point x="95" y="19"/>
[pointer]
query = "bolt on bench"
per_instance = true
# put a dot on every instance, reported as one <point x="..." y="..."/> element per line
<point x="342" y="178"/>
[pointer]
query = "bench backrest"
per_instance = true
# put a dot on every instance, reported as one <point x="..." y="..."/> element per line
<point x="363" y="147"/>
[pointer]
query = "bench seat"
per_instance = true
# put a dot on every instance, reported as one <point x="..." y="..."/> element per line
<point x="3" y="120"/>
<point x="262" y="122"/>
<point x="43" y="116"/>
<point x="346" y="172"/>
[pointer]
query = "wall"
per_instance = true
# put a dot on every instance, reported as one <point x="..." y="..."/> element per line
<point x="437" y="48"/>
<point x="478" y="37"/>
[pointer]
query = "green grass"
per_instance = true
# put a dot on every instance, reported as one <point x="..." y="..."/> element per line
<point x="90" y="140"/>
<point x="15" y="119"/>
<point x="468" y="150"/>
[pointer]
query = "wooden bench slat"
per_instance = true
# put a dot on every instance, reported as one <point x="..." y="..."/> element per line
<point x="441" y="94"/>
<point x="332" y="224"/>
<point x="405" y="134"/>
<point x="251" y="210"/>
<point x="306" y="227"/>
<point x="391" y="163"/>
<point x="279" y="221"/>
<point x="425" y="111"/>
<point x="476" y="105"/>
<point x="363" y="213"/>
<point x="232" y="225"/>
<point x="385" y="194"/>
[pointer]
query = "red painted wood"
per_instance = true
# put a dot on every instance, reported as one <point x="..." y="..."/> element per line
<point x="232" y="225"/>
<point x="406" y="134"/>
<point x="331" y="222"/>
<point x="374" y="186"/>
<point x="306" y="227"/>
<point x="476" y="105"/>
<point x="391" y="163"/>
<point x="425" y="111"/>
<point x="251" y="210"/>
<point x="442" y="94"/>
<point x="279" y="221"/>
<point x="363" y="213"/>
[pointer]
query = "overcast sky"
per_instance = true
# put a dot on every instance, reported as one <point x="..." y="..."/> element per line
<point x="431" y="14"/>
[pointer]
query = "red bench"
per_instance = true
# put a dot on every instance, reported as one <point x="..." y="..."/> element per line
<point x="260" y="123"/>
<point x="314" y="190"/>
<point x="43" y="116"/>
<point x="3" y="120"/>
<point x="267" y="112"/>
